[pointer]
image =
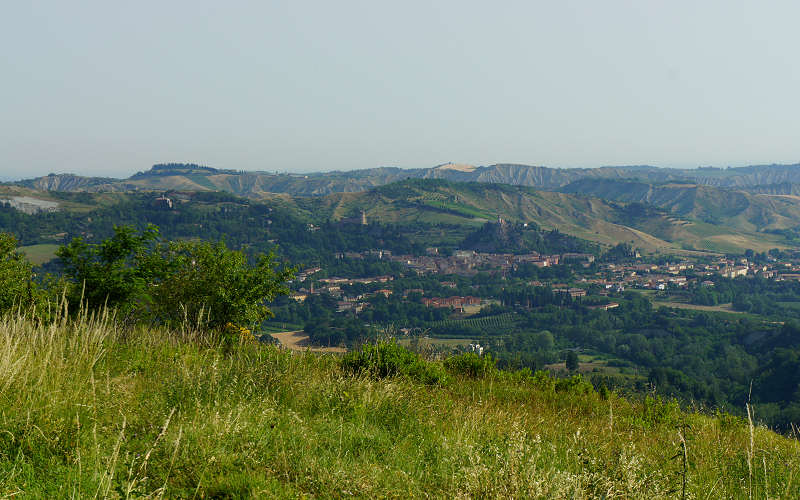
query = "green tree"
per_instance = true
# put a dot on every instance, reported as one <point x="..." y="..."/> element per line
<point x="571" y="361"/>
<point x="16" y="277"/>
<point x="209" y="280"/>
<point x="169" y="283"/>
<point x="544" y="340"/>
<point x="116" y="272"/>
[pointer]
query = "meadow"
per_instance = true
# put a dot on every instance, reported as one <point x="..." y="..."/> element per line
<point x="39" y="254"/>
<point x="93" y="410"/>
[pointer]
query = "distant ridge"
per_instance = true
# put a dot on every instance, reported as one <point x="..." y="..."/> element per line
<point x="183" y="168"/>
<point x="188" y="176"/>
<point x="667" y="216"/>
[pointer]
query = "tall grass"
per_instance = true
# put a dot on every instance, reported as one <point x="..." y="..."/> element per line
<point x="90" y="410"/>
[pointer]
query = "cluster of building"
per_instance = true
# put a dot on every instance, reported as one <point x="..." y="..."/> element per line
<point x="773" y="269"/>
<point x="469" y="262"/>
<point x="610" y="278"/>
<point x="662" y="277"/>
<point x="573" y="292"/>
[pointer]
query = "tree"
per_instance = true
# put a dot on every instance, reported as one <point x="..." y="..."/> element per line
<point x="210" y="280"/>
<point x="16" y="277"/>
<point x="116" y="272"/>
<point x="571" y="361"/>
<point x="620" y="252"/>
<point x="170" y="283"/>
<point x="544" y="340"/>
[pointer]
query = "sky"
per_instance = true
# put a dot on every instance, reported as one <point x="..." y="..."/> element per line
<point x="110" y="88"/>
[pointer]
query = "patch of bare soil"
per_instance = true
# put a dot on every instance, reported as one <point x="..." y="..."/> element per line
<point x="298" y="341"/>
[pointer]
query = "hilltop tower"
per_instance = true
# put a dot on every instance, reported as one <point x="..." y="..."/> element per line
<point x="363" y="218"/>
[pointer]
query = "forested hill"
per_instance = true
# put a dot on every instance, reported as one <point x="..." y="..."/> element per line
<point x="644" y="225"/>
<point x="519" y="238"/>
<point x="439" y="212"/>
<point x="707" y="209"/>
<point x="258" y="184"/>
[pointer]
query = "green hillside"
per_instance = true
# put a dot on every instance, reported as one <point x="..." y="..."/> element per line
<point x="667" y="218"/>
<point x="473" y="204"/>
<point x="734" y="208"/>
<point x="163" y="177"/>
<point x="92" y="410"/>
<point x="588" y="217"/>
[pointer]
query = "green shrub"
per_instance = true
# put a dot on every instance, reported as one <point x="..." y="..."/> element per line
<point x="659" y="410"/>
<point x="543" y="380"/>
<point x="146" y="279"/>
<point x="17" y="287"/>
<point x="575" y="384"/>
<point x="389" y="359"/>
<point x="211" y="279"/>
<point x="114" y="273"/>
<point x="471" y="365"/>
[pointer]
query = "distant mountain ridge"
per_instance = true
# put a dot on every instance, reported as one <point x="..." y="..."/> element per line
<point x="164" y="177"/>
<point x="66" y="182"/>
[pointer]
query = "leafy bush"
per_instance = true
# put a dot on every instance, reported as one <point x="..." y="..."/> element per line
<point x="15" y="275"/>
<point x="543" y="380"/>
<point x="389" y="359"/>
<point x="574" y="384"/>
<point x="169" y="283"/>
<point x="471" y="365"/>
<point x="211" y="279"/>
<point x="115" y="272"/>
<point x="658" y="410"/>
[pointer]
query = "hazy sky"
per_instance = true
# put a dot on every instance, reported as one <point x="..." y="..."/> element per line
<point x="109" y="88"/>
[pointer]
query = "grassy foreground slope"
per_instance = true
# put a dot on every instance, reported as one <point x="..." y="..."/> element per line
<point x="88" y="410"/>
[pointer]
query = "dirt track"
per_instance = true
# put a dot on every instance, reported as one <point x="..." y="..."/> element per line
<point x="298" y="341"/>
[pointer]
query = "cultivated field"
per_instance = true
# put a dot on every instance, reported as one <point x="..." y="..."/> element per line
<point x="39" y="254"/>
<point x="683" y="305"/>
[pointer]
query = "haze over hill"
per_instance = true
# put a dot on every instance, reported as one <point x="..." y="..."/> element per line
<point x="713" y="209"/>
<point x="587" y="216"/>
<point x="256" y="184"/>
<point x="666" y="217"/>
<point x="765" y="208"/>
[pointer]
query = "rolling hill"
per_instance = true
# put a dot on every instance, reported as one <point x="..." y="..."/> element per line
<point x="648" y="227"/>
<point x="668" y="217"/>
<point x="258" y="184"/>
<point x="733" y="208"/>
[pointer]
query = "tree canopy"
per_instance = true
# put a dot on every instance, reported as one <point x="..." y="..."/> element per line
<point x="145" y="278"/>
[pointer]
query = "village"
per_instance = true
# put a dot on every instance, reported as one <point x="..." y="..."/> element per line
<point x="590" y="277"/>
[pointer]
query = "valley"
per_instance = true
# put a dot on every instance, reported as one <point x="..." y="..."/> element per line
<point x="635" y="277"/>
